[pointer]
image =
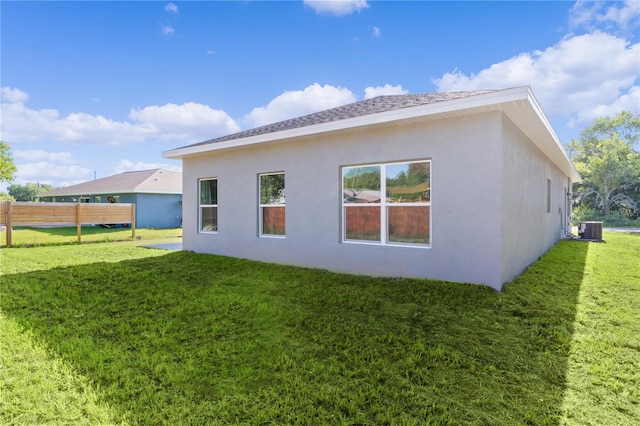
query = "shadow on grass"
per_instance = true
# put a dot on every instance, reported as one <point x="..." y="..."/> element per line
<point x="188" y="338"/>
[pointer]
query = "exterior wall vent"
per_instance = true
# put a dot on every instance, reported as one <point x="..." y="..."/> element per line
<point x="591" y="231"/>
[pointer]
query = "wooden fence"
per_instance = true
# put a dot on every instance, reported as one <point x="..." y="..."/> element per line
<point x="273" y="220"/>
<point x="45" y="214"/>
<point x="405" y="223"/>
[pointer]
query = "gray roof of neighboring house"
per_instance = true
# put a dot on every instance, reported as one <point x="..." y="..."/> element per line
<point x="156" y="181"/>
<point x="368" y="106"/>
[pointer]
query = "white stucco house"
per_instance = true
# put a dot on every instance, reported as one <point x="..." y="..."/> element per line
<point x="467" y="186"/>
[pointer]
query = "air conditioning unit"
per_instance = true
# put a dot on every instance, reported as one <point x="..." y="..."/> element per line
<point x="591" y="231"/>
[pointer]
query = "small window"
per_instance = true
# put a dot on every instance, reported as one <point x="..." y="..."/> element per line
<point x="208" y="220"/>
<point x="272" y="210"/>
<point x="98" y="199"/>
<point x="387" y="203"/>
<point x="85" y="199"/>
<point x="548" y="195"/>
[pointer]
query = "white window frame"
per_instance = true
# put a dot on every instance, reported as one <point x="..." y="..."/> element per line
<point x="383" y="204"/>
<point x="200" y="206"/>
<point x="261" y="206"/>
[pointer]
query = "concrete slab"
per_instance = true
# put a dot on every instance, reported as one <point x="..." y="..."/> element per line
<point x="170" y="246"/>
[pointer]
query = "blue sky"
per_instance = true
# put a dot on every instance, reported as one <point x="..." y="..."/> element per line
<point x="97" y="88"/>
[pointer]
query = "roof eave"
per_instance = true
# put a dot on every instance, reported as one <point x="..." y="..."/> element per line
<point x="535" y="125"/>
<point x="530" y="119"/>
<point x="483" y="101"/>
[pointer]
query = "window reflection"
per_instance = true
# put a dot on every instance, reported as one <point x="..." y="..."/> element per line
<point x="272" y="204"/>
<point x="408" y="224"/>
<point x="362" y="223"/>
<point x="361" y="184"/>
<point x="208" y="205"/>
<point x="408" y="183"/>
<point x="402" y="216"/>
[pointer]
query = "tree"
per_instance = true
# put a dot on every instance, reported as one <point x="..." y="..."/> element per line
<point x="28" y="192"/>
<point x="8" y="168"/>
<point x="607" y="156"/>
<point x="6" y="197"/>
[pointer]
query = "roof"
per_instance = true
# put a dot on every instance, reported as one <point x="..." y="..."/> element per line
<point x="356" y="109"/>
<point x="155" y="181"/>
<point x="519" y="104"/>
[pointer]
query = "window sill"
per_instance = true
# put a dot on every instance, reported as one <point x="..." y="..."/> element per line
<point x="274" y="237"/>
<point x="377" y="244"/>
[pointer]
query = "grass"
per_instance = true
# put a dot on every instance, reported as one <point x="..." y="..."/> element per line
<point x="23" y="236"/>
<point x="117" y="334"/>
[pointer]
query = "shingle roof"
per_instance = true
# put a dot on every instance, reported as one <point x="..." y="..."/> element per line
<point x="518" y="104"/>
<point x="366" y="107"/>
<point x="145" y="181"/>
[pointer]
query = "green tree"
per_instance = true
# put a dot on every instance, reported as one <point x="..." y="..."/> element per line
<point x="28" y="192"/>
<point x="272" y="190"/>
<point x="6" y="197"/>
<point x="8" y="168"/>
<point x="607" y="156"/>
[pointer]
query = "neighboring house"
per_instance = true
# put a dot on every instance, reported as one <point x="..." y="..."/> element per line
<point x="467" y="186"/>
<point x="156" y="193"/>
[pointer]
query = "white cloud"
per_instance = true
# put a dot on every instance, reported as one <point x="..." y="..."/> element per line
<point x="372" y="92"/>
<point x="568" y="78"/>
<point x="300" y="102"/>
<point x="186" y="123"/>
<point x="40" y="155"/>
<point x="52" y="173"/>
<point x="376" y="32"/>
<point x="22" y="124"/>
<point x="590" y="14"/>
<point x="337" y="7"/>
<point x="627" y="102"/>
<point x="57" y="168"/>
<point x="170" y="7"/>
<point x="126" y="165"/>
<point x="13" y="95"/>
<point x="168" y="30"/>
<point x="52" y="168"/>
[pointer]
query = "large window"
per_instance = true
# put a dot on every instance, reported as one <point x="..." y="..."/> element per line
<point x="387" y="203"/>
<point x="208" y="205"/>
<point x="272" y="204"/>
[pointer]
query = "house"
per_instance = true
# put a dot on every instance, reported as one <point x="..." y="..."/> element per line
<point x="467" y="186"/>
<point x="157" y="194"/>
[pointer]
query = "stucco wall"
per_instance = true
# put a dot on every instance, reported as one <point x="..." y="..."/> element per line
<point x="466" y="173"/>
<point x="528" y="230"/>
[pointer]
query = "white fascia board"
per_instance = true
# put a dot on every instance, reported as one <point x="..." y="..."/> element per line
<point x="471" y="102"/>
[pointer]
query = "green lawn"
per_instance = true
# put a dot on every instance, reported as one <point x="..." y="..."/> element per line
<point x="117" y="334"/>
<point x="22" y="236"/>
